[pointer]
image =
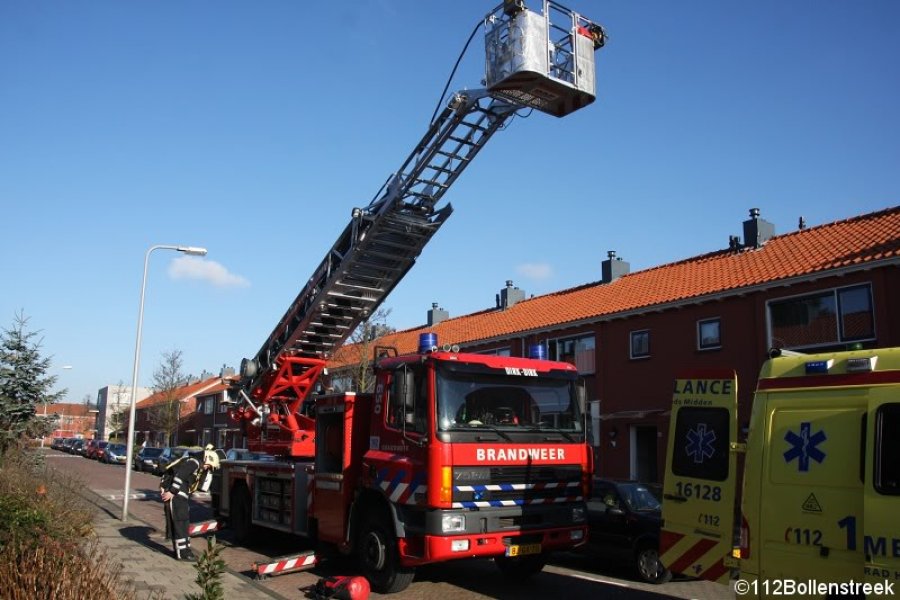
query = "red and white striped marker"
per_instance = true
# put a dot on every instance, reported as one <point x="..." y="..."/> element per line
<point x="285" y="564"/>
<point x="203" y="527"/>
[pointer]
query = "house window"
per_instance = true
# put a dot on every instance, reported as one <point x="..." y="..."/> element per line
<point x="825" y="318"/>
<point x="223" y="408"/>
<point x="207" y="437"/>
<point x="579" y="351"/>
<point x="640" y="343"/>
<point x="208" y="406"/>
<point x="709" y="334"/>
<point x="496" y="352"/>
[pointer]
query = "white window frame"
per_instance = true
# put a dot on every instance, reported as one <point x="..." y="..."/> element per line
<point x="553" y="351"/>
<point x="839" y="334"/>
<point x="718" y="343"/>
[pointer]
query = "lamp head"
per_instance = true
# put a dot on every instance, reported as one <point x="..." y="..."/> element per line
<point x="192" y="250"/>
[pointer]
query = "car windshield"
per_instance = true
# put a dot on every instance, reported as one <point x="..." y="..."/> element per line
<point x="151" y="452"/>
<point x="469" y="400"/>
<point x="639" y="497"/>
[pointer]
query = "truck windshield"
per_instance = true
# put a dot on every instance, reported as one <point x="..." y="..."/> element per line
<point x="480" y="400"/>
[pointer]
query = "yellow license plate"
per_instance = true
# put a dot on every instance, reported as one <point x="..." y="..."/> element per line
<point x="523" y="549"/>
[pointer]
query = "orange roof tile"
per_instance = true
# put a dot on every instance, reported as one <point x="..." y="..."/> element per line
<point x="843" y="244"/>
<point x="183" y="393"/>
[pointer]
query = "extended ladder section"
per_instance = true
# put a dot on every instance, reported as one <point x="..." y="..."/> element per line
<point x="539" y="61"/>
<point x="383" y="240"/>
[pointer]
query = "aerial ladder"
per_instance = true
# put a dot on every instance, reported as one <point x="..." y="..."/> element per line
<point x="533" y="61"/>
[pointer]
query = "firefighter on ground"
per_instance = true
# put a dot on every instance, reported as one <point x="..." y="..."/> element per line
<point x="182" y="478"/>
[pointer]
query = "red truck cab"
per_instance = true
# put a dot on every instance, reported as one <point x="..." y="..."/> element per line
<point x="453" y="456"/>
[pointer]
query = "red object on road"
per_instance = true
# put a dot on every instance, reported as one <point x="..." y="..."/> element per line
<point x="342" y="588"/>
<point x="286" y="564"/>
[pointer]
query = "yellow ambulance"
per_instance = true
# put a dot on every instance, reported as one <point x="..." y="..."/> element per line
<point x="820" y="502"/>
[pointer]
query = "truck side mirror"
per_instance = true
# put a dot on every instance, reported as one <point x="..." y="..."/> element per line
<point x="406" y="385"/>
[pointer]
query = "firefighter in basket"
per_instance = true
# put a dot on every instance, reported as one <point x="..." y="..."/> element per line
<point x="181" y="479"/>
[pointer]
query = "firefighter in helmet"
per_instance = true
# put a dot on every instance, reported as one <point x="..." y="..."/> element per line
<point x="182" y="478"/>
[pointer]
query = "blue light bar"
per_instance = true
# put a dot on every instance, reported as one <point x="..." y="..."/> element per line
<point x="537" y="351"/>
<point x="818" y="366"/>
<point x="427" y="342"/>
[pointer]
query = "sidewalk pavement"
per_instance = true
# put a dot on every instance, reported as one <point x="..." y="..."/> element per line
<point x="147" y="561"/>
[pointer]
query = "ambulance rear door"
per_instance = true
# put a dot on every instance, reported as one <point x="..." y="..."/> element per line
<point x="699" y="489"/>
<point x="881" y="524"/>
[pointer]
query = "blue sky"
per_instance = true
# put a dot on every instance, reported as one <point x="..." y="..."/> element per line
<point x="253" y="128"/>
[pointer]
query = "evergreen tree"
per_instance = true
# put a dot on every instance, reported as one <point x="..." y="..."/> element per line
<point x="24" y="384"/>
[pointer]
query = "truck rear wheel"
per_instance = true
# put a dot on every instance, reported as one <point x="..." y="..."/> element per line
<point x="517" y="568"/>
<point x="380" y="559"/>
<point x="239" y="514"/>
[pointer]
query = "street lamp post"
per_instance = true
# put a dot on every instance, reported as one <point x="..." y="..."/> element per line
<point x="191" y="250"/>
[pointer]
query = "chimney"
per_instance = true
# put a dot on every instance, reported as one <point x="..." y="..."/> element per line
<point x="509" y="295"/>
<point x="757" y="231"/>
<point x="226" y="372"/>
<point x="436" y="315"/>
<point x="613" y="268"/>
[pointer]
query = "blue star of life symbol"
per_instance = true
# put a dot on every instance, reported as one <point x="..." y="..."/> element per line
<point x="803" y="446"/>
<point x="700" y="443"/>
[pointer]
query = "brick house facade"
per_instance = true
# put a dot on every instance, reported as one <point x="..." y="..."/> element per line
<point x="814" y="289"/>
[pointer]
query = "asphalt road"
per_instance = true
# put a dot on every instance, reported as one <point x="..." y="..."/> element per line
<point x="572" y="575"/>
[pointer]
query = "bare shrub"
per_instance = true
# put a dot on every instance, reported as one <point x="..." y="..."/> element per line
<point x="46" y="548"/>
<point x="57" y="570"/>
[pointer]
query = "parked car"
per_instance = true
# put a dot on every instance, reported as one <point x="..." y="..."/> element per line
<point x="625" y="519"/>
<point x="147" y="459"/>
<point x="67" y="444"/>
<point x="77" y="447"/>
<point x="56" y="443"/>
<point x="114" y="454"/>
<point x="101" y="451"/>
<point x="95" y="449"/>
<point x="171" y="454"/>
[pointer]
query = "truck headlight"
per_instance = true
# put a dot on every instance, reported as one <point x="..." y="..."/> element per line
<point x="578" y="514"/>
<point x="453" y="523"/>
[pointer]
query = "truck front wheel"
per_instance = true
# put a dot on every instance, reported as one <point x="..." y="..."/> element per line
<point x="520" y="567"/>
<point x="379" y="558"/>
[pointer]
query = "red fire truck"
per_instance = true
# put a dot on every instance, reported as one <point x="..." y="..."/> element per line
<point x="452" y="455"/>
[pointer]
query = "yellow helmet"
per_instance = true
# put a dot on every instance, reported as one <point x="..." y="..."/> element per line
<point x="210" y="457"/>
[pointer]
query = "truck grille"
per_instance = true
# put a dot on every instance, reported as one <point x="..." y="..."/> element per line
<point x="478" y="487"/>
